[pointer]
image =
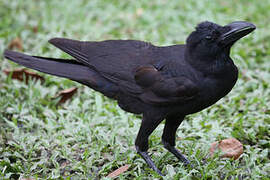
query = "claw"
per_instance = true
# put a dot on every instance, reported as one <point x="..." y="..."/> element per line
<point x="177" y="154"/>
<point x="148" y="160"/>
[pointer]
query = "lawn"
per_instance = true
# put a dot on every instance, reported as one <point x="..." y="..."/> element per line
<point x="89" y="136"/>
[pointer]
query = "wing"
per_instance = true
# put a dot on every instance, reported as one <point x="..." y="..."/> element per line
<point x="160" y="90"/>
<point x="131" y="65"/>
<point x="113" y="59"/>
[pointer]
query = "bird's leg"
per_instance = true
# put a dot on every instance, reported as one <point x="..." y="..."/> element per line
<point x="147" y="127"/>
<point x="168" y="138"/>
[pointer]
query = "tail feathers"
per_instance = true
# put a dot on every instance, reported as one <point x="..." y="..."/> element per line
<point x="59" y="67"/>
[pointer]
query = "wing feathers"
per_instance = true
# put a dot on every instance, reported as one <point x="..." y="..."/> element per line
<point x="159" y="90"/>
<point x="72" y="47"/>
<point x="118" y="61"/>
<point x="146" y="76"/>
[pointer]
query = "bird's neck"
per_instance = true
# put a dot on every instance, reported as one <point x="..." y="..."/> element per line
<point x="218" y="65"/>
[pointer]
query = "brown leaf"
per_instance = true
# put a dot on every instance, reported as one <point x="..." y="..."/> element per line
<point x="66" y="94"/>
<point x="230" y="148"/>
<point x="35" y="29"/>
<point x="118" y="171"/>
<point x="20" y="73"/>
<point x="16" y="43"/>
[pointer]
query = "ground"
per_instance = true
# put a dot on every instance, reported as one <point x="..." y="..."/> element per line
<point x="89" y="136"/>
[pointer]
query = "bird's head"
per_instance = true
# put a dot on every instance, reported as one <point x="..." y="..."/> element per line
<point x="210" y="40"/>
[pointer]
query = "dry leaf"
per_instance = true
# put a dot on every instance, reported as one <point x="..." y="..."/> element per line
<point x="20" y="73"/>
<point x="66" y="94"/>
<point x="231" y="148"/>
<point x="35" y="29"/>
<point x="16" y="43"/>
<point x="118" y="171"/>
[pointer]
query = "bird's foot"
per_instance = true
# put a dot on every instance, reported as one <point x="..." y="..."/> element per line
<point x="176" y="153"/>
<point x="148" y="160"/>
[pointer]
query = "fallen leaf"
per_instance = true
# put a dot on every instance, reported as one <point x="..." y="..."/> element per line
<point x="118" y="171"/>
<point x="20" y="73"/>
<point x="230" y="148"/>
<point x="35" y="29"/>
<point x="66" y="94"/>
<point x="16" y="43"/>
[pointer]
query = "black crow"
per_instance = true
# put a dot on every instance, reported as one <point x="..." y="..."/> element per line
<point x="160" y="83"/>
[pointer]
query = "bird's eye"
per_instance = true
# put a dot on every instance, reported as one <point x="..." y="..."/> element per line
<point x="208" y="37"/>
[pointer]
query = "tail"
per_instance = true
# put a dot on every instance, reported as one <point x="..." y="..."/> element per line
<point x="70" y="69"/>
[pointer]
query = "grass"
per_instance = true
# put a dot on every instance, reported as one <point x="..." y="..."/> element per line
<point x="90" y="136"/>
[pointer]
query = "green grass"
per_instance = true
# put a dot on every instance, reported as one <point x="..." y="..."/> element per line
<point x="90" y="136"/>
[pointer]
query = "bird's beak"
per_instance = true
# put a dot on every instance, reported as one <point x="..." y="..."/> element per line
<point x="235" y="31"/>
